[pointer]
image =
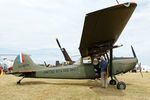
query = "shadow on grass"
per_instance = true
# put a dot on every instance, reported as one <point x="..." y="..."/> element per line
<point x="33" y="83"/>
<point x="110" y="91"/>
<point x="61" y="83"/>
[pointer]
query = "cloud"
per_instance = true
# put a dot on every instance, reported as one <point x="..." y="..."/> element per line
<point x="29" y="25"/>
<point x="137" y="34"/>
<point x="26" y="23"/>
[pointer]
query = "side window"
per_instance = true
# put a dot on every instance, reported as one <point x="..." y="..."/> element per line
<point x="87" y="60"/>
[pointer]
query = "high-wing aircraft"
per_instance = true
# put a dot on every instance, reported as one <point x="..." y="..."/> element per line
<point x="101" y="30"/>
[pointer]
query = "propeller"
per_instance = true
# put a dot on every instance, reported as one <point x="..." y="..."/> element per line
<point x="133" y="52"/>
<point x="45" y="63"/>
<point x="139" y="65"/>
<point x="117" y="1"/>
<point x="63" y="50"/>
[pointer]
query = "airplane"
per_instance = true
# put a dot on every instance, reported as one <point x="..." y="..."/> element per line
<point x="101" y="30"/>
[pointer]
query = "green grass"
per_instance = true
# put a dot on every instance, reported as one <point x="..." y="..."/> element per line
<point x="138" y="88"/>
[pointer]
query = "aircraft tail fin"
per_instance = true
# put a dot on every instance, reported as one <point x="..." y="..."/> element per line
<point x="23" y="62"/>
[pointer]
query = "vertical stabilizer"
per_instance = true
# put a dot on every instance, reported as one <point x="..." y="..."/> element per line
<point x="23" y="62"/>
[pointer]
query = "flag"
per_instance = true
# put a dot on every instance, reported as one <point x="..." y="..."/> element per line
<point x="20" y="58"/>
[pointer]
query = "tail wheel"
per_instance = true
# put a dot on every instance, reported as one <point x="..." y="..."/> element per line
<point x="18" y="82"/>
<point x="121" y="86"/>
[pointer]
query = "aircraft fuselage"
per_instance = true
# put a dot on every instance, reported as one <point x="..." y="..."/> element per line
<point x="83" y="71"/>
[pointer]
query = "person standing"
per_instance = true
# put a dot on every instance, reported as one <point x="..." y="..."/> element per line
<point x="103" y="65"/>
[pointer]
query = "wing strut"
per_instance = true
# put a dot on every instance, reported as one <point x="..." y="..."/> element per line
<point x="110" y="65"/>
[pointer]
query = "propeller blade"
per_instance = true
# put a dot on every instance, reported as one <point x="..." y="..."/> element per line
<point x="45" y="63"/>
<point x="63" y="50"/>
<point x="141" y="73"/>
<point x="58" y="43"/>
<point x="139" y="65"/>
<point x="117" y="1"/>
<point x="133" y="52"/>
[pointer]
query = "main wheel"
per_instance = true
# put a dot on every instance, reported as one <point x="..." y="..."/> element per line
<point x="121" y="86"/>
<point x="112" y="82"/>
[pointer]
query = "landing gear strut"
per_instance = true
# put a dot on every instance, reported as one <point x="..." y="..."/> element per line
<point x="120" y="85"/>
<point x="19" y="82"/>
<point x="112" y="82"/>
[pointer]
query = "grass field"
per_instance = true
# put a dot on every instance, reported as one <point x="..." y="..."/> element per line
<point x="138" y="88"/>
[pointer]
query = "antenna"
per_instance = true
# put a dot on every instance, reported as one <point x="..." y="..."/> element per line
<point x="117" y="1"/>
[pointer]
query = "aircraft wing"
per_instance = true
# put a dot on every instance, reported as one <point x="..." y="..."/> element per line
<point x="102" y="28"/>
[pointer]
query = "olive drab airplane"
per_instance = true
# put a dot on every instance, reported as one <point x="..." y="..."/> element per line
<point x="101" y="30"/>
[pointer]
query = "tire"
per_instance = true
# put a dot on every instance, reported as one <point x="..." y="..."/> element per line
<point x="121" y="86"/>
<point x="112" y="82"/>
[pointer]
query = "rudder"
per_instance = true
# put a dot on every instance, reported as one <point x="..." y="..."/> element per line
<point x="23" y="62"/>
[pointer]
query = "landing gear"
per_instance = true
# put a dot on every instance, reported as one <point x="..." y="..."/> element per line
<point x="121" y="86"/>
<point x="19" y="82"/>
<point x="112" y="82"/>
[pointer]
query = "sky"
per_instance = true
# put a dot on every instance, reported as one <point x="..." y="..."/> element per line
<point x="31" y="26"/>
